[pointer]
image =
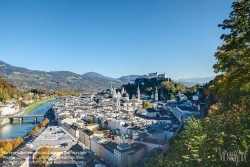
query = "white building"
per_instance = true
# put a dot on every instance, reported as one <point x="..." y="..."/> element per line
<point x="107" y="153"/>
<point x="182" y="97"/>
<point x="96" y="144"/>
<point x="128" y="155"/>
<point x="8" y="109"/>
<point x="182" y="112"/>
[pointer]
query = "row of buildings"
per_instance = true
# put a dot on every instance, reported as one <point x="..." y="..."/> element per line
<point x="116" y="128"/>
<point x="109" y="130"/>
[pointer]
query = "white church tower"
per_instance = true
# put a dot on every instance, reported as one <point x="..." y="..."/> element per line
<point x="138" y="93"/>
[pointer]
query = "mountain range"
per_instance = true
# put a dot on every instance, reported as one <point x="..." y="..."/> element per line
<point x="57" y="80"/>
<point x="195" y="81"/>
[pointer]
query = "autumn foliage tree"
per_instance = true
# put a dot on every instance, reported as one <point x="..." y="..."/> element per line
<point x="8" y="90"/>
<point x="34" y="130"/>
<point x="16" y="142"/>
<point x="2" y="152"/>
<point x="7" y="146"/>
<point x="42" y="155"/>
<point x="44" y="122"/>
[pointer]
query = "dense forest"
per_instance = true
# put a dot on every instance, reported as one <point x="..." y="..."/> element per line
<point x="223" y="137"/>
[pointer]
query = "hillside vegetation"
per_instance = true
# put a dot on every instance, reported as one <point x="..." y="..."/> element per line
<point x="8" y="91"/>
<point x="166" y="89"/>
<point x="55" y="80"/>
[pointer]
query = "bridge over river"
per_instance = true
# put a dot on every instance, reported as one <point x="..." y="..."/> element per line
<point x="21" y="117"/>
<point x="15" y="129"/>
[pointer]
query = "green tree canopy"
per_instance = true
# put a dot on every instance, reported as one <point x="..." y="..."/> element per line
<point x="233" y="57"/>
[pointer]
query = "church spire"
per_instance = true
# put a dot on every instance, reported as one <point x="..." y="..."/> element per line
<point x="122" y="91"/>
<point x="156" y="94"/>
<point x="138" y="93"/>
<point x="111" y="88"/>
<point x="156" y="90"/>
<point x="114" y="90"/>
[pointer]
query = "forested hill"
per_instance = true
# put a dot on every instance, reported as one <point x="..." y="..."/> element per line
<point x="166" y="89"/>
<point x="8" y="90"/>
<point x="56" y="80"/>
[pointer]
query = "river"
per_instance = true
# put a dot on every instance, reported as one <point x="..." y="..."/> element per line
<point x="16" y="129"/>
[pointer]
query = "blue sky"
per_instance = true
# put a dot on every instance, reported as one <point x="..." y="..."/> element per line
<point x="114" y="38"/>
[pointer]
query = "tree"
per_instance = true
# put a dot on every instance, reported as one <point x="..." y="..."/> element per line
<point x="42" y="155"/>
<point x="16" y="142"/>
<point x="46" y="120"/>
<point x="168" y="89"/>
<point x="34" y="130"/>
<point x="150" y="106"/>
<point x="233" y="57"/>
<point x="203" y="141"/>
<point x="1" y="95"/>
<point x="144" y="104"/>
<point x="42" y="124"/>
<point x="2" y="152"/>
<point x="90" y="121"/>
<point x="7" y="147"/>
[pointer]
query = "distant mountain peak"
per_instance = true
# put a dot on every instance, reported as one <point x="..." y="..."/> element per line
<point x="93" y="74"/>
<point x="195" y="80"/>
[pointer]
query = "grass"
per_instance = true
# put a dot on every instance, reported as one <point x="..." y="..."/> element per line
<point x="36" y="104"/>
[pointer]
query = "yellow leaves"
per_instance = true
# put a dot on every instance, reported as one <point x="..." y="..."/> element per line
<point x="211" y="87"/>
<point x="42" y="155"/>
<point x="244" y="143"/>
<point x="34" y="130"/>
<point x="8" y="147"/>
<point x="214" y="109"/>
<point x="220" y="140"/>
<point x="16" y="142"/>
<point x="2" y="152"/>
<point x="44" y="122"/>
<point x="150" y="106"/>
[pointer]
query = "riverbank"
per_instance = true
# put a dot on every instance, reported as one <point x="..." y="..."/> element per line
<point x="16" y="128"/>
<point x="36" y="104"/>
<point x="4" y="121"/>
<point x="26" y="110"/>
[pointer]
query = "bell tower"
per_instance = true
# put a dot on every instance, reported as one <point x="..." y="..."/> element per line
<point x="156" y="94"/>
<point x="138" y="93"/>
